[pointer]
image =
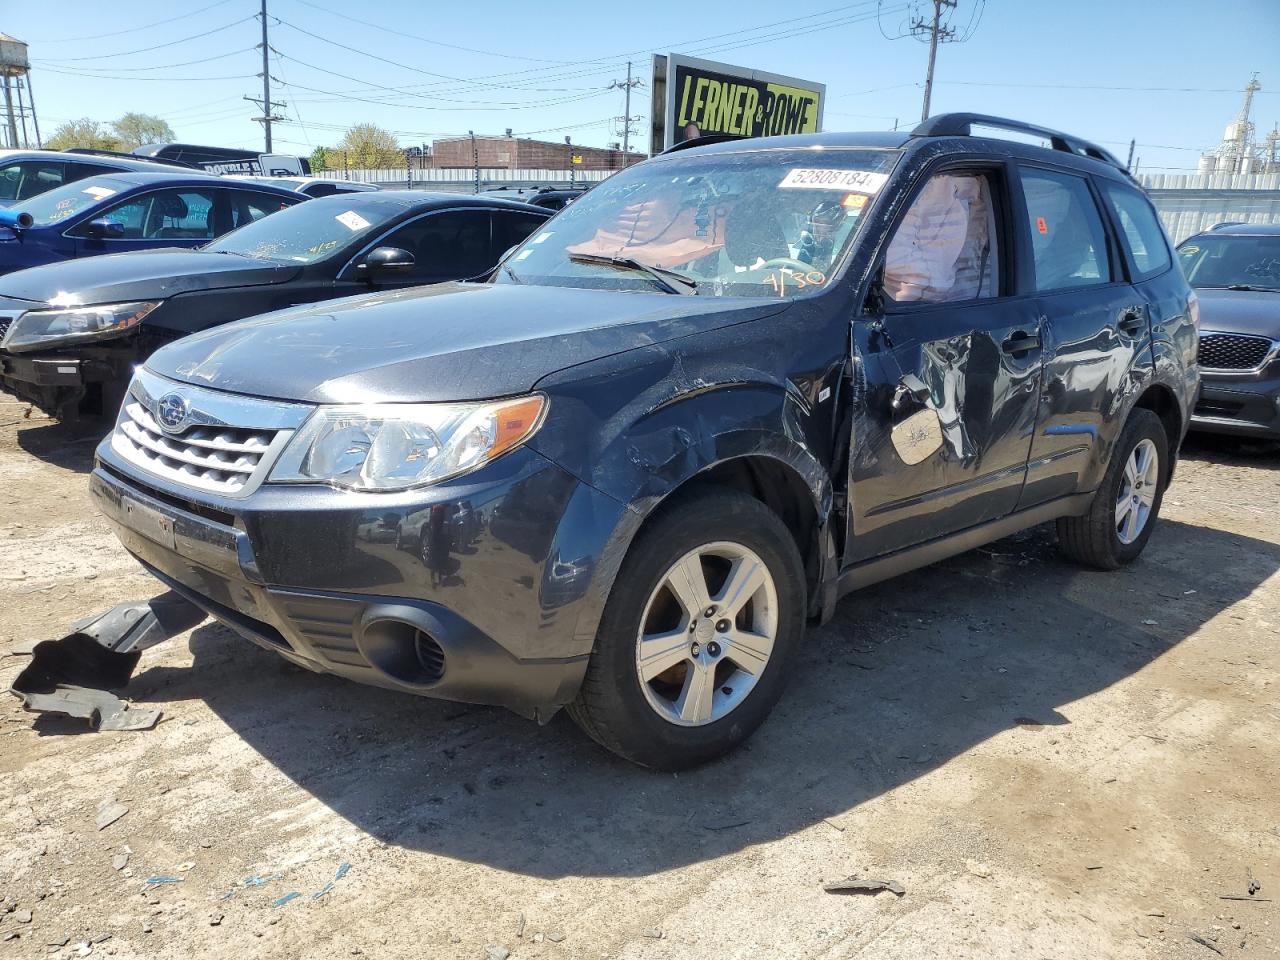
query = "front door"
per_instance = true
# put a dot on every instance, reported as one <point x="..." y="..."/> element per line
<point x="946" y="374"/>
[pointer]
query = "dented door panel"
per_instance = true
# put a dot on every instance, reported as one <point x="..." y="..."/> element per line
<point x="976" y="369"/>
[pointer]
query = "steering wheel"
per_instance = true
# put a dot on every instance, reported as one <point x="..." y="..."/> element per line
<point x="787" y="263"/>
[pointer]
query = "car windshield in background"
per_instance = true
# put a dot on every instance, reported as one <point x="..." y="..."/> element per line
<point x="61" y="203"/>
<point x="309" y="231"/>
<point x="1227" y="260"/>
<point x="751" y="224"/>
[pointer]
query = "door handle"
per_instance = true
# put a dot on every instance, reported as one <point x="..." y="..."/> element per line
<point x="1133" y="321"/>
<point x="1021" y="341"/>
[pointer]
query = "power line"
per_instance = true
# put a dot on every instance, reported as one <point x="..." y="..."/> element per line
<point x="163" y="66"/>
<point x="158" y="46"/>
<point x="145" y="26"/>
<point x="105" y="76"/>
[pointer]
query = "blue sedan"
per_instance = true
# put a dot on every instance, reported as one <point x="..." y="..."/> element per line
<point x="121" y="212"/>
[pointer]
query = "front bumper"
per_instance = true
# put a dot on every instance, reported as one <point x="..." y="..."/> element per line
<point x="467" y="591"/>
<point x="54" y="380"/>
<point x="1237" y="406"/>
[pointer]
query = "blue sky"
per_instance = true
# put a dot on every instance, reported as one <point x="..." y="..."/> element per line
<point x="427" y="70"/>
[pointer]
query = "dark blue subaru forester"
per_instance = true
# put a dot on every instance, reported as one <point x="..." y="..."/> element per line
<point x="725" y="387"/>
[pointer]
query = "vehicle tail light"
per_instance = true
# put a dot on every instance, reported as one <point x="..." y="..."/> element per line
<point x="1193" y="310"/>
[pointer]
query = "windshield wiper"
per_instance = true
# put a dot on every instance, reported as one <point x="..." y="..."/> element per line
<point x="1251" y="286"/>
<point x="668" y="280"/>
<point x="511" y="273"/>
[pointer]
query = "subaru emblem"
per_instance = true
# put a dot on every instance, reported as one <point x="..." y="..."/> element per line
<point x="172" y="411"/>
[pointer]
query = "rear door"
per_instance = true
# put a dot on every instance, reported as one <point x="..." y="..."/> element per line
<point x="949" y="370"/>
<point x="1095" y="329"/>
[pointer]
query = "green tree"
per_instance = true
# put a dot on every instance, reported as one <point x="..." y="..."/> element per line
<point x="83" y="133"/>
<point x="320" y="159"/>
<point x="367" y="145"/>
<point x="138" y="129"/>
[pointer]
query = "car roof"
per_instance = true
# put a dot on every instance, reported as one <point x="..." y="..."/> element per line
<point x="426" y="200"/>
<point x="131" y="178"/>
<point x="1244" y="230"/>
<point x="140" y="164"/>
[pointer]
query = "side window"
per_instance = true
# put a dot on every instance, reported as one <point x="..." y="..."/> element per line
<point x="321" y="189"/>
<point x="1140" y="229"/>
<point x="28" y="178"/>
<point x="78" y="171"/>
<point x="946" y="248"/>
<point x="250" y="205"/>
<point x="512" y="228"/>
<point x="447" y="246"/>
<point x="1068" y="241"/>
<point x="164" y="215"/>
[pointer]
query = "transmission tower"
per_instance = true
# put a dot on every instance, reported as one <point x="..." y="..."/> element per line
<point x="626" y="119"/>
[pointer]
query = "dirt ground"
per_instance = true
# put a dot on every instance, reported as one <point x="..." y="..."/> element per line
<point x="1053" y="763"/>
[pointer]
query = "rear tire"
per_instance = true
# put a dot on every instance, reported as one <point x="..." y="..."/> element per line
<point x="671" y="690"/>
<point x="1127" y="504"/>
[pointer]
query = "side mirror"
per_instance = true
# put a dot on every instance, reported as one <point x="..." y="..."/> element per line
<point x="386" y="261"/>
<point x="104" y="229"/>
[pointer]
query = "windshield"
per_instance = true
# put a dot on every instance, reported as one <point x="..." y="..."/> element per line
<point x="309" y="231"/>
<point x="752" y="224"/>
<point x="54" y="206"/>
<point x="1228" y="261"/>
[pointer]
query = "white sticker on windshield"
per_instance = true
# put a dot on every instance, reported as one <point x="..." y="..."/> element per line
<point x="543" y="236"/>
<point x="98" y="193"/>
<point x="352" y="220"/>
<point x="813" y="178"/>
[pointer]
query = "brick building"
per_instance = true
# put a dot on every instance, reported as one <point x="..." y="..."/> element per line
<point x="513" y="153"/>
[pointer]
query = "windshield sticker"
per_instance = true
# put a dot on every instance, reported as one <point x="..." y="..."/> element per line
<point x="352" y="220"/>
<point x="543" y="236"/>
<point x="98" y="193"/>
<point x="853" y="201"/>
<point x="811" y="178"/>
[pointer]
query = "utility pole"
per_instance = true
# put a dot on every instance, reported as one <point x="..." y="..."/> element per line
<point x="938" y="33"/>
<point x="626" y="86"/>
<point x="268" y="116"/>
<point x="1128" y="164"/>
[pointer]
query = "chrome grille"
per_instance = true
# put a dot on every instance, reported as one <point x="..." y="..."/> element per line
<point x="221" y="443"/>
<point x="219" y="459"/>
<point x="5" y="323"/>
<point x="1233" y="351"/>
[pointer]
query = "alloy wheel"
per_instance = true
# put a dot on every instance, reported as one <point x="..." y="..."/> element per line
<point x="707" y="633"/>
<point x="1137" y="492"/>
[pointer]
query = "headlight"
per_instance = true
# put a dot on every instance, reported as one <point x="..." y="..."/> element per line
<point x="54" y="328"/>
<point x="395" y="446"/>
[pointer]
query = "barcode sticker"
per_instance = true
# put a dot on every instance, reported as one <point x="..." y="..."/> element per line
<point x="352" y="220"/>
<point x="811" y="178"/>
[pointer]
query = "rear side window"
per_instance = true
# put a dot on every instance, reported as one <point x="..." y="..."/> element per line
<point x="24" y="179"/>
<point x="250" y="205"/>
<point x="1068" y="240"/>
<point x="1139" y="229"/>
<point x="512" y="228"/>
<point x="456" y="245"/>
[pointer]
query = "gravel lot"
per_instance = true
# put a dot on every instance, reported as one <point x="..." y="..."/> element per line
<point x="1053" y="763"/>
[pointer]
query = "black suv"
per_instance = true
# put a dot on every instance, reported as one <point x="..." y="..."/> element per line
<point x="725" y="387"/>
<point x="28" y="173"/>
<point x="1235" y="270"/>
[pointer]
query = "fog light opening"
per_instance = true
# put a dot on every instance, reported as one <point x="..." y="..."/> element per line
<point x="402" y="652"/>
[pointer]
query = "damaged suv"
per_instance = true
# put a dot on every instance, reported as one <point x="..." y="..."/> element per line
<point x="727" y="386"/>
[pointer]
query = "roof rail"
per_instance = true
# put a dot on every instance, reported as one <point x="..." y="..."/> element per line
<point x="961" y="124"/>
<point x="1227" y="223"/>
<point x="93" y="152"/>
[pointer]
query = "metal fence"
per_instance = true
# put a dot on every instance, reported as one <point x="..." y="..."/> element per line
<point x="1189" y="203"/>
<point x="464" y="180"/>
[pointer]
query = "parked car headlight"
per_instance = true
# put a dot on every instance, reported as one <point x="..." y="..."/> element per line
<point x="395" y="446"/>
<point x="38" y="329"/>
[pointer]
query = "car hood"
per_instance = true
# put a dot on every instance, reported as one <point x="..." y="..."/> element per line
<point x="1239" y="311"/>
<point x="140" y="275"/>
<point x="455" y="341"/>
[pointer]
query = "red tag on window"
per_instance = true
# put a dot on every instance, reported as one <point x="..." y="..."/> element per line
<point x="1041" y="225"/>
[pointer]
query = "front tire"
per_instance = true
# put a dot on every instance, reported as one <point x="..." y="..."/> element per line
<point x="1125" y="508"/>
<point x="699" y="633"/>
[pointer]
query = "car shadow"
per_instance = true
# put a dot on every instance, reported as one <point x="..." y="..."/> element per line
<point x="1231" y="451"/>
<point x="909" y="674"/>
<point x="66" y="445"/>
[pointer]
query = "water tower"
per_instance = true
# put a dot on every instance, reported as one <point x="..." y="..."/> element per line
<point x="15" y="71"/>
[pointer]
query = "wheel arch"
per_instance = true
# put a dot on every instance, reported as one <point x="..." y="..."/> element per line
<point x="1163" y="402"/>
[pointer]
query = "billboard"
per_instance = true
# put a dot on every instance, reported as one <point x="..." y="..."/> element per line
<point x="694" y="98"/>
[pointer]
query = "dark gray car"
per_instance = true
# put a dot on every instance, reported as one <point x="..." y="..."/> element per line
<point x="1235" y="270"/>
<point x="725" y="387"/>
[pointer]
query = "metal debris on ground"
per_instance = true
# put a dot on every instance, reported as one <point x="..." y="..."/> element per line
<point x="109" y="811"/>
<point x="725" y="826"/>
<point x="281" y="901"/>
<point x="1196" y="938"/>
<point x="854" y="885"/>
